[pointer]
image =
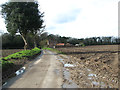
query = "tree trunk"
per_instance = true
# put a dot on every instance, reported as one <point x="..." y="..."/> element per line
<point x="48" y="43"/>
<point x="35" y="44"/>
<point x="25" y="46"/>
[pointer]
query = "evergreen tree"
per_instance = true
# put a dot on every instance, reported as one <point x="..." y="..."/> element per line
<point x="23" y="18"/>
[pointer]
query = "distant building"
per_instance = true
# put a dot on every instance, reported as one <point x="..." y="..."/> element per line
<point x="60" y="44"/>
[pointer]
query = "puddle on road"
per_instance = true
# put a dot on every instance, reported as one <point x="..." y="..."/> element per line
<point x="66" y="75"/>
<point x="5" y="84"/>
<point x="95" y="83"/>
<point x="101" y="84"/>
<point x="90" y="78"/>
<point x="61" y="60"/>
<point x="65" y="65"/>
<point x="69" y="83"/>
<point x="89" y="70"/>
<point x="92" y="75"/>
<point x="72" y="85"/>
<point x="20" y="71"/>
<point x="69" y="65"/>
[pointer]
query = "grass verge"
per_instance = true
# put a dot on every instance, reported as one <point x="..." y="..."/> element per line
<point x="54" y="50"/>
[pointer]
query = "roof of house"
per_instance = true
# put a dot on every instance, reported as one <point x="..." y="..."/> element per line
<point x="60" y="44"/>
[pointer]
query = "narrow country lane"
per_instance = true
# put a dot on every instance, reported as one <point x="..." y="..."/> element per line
<point x="45" y="72"/>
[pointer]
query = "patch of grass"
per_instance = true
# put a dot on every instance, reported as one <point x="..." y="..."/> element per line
<point x="54" y="50"/>
<point x="22" y="54"/>
<point x="8" y="62"/>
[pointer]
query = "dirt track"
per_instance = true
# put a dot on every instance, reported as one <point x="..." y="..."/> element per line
<point x="44" y="72"/>
<point x="96" y="66"/>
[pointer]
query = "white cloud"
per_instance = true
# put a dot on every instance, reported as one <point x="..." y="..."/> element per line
<point x="95" y="18"/>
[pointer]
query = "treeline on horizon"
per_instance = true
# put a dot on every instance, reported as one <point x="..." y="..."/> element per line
<point x="16" y="42"/>
<point x="18" y="19"/>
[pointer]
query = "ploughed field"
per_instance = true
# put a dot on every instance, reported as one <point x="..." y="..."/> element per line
<point x="96" y="66"/>
<point x="6" y="52"/>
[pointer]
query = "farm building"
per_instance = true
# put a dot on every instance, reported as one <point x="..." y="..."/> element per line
<point x="60" y="44"/>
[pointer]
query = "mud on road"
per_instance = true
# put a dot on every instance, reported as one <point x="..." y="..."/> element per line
<point x="93" y="66"/>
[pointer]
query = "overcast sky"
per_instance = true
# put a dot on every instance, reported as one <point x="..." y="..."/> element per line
<point x="78" y="18"/>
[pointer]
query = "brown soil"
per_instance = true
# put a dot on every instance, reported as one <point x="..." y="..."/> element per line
<point x="95" y="66"/>
<point x="6" y="52"/>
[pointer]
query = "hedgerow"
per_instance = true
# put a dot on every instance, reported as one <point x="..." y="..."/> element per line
<point x="8" y="62"/>
<point x="22" y="54"/>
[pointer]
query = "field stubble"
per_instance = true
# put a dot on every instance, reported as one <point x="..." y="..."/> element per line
<point x="6" y="52"/>
<point x="101" y="60"/>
